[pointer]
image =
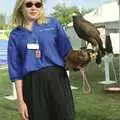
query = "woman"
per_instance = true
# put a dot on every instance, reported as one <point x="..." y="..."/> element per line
<point x="36" y="51"/>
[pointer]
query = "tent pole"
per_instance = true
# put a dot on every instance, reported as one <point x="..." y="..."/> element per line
<point x="119" y="40"/>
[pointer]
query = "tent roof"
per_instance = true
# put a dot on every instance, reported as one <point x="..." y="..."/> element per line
<point x="106" y="13"/>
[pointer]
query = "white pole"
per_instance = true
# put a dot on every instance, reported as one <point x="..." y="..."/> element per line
<point x="107" y="59"/>
<point x="14" y="95"/>
<point x="68" y="73"/>
<point x="14" y="90"/>
<point x="107" y="75"/>
<point x="72" y="87"/>
<point x="119" y="41"/>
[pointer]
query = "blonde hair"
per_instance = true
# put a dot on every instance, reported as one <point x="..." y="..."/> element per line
<point x="18" y="17"/>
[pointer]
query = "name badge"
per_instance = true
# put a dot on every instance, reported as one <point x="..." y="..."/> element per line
<point x="33" y="46"/>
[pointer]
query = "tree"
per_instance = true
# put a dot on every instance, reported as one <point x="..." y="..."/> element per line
<point x="2" y="19"/>
<point x="85" y="11"/>
<point x="63" y="14"/>
<point x="1" y="26"/>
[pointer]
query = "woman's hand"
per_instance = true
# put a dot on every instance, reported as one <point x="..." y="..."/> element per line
<point x="78" y="58"/>
<point x="21" y="104"/>
<point x="23" y="110"/>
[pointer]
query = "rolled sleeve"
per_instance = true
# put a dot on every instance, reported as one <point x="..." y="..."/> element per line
<point x="63" y="42"/>
<point x="14" y="62"/>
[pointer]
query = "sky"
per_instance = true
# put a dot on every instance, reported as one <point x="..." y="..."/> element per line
<point x="6" y="6"/>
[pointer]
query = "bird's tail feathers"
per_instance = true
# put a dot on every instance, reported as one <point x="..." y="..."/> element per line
<point x="100" y="54"/>
<point x="98" y="58"/>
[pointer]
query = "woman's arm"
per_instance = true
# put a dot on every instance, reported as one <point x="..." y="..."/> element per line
<point x="15" y="73"/>
<point x="19" y="90"/>
<point x="21" y="104"/>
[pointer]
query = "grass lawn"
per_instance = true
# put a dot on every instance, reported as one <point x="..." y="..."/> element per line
<point x="98" y="105"/>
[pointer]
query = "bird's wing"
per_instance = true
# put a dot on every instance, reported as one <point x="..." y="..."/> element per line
<point x="82" y="26"/>
<point x="93" y="32"/>
<point x="92" y="25"/>
<point x="87" y="27"/>
<point x="85" y="30"/>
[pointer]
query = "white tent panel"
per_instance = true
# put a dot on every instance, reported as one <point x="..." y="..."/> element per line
<point x="106" y="13"/>
<point x="115" y="42"/>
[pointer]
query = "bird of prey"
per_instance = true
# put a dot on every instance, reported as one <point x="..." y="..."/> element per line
<point x="88" y="32"/>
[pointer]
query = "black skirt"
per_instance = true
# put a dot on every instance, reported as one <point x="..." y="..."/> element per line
<point x="48" y="95"/>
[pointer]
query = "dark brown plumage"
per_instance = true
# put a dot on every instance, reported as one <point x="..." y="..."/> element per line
<point x="88" y="32"/>
<point x="108" y="44"/>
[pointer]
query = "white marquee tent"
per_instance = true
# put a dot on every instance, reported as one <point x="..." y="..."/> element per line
<point x="107" y="19"/>
<point x="106" y="13"/>
<point x="107" y="16"/>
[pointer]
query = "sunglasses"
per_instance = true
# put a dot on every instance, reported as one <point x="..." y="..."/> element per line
<point x="30" y="4"/>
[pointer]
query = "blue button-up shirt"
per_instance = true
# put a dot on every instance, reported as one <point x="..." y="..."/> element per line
<point x="53" y="45"/>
